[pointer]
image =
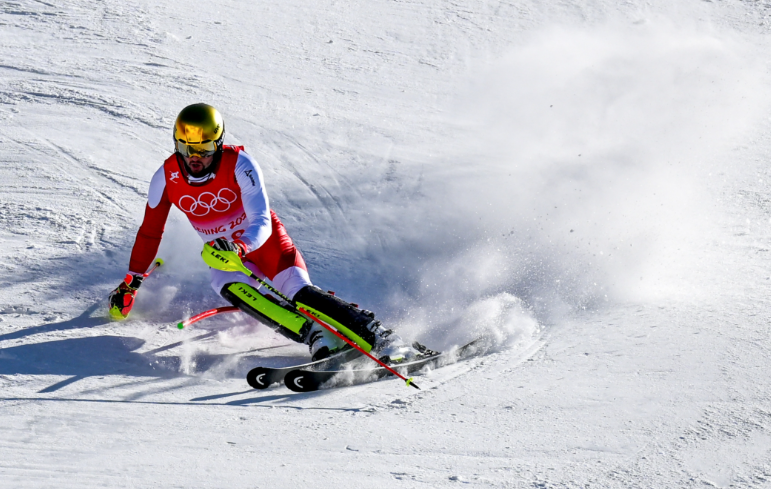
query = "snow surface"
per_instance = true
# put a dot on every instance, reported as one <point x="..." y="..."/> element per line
<point x="585" y="179"/>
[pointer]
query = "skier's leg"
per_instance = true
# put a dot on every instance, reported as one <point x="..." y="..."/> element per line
<point x="242" y="292"/>
<point x="219" y="277"/>
<point x="357" y="324"/>
<point x="283" y="264"/>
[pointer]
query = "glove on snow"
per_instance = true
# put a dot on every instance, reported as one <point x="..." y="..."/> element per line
<point x="222" y="244"/>
<point x="121" y="300"/>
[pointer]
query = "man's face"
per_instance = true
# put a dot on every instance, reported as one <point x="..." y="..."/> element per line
<point x="197" y="164"/>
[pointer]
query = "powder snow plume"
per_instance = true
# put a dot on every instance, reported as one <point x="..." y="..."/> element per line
<point x="576" y="175"/>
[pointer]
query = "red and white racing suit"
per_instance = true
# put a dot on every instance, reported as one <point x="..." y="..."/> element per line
<point x="230" y="203"/>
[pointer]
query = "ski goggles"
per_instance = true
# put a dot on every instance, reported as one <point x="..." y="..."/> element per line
<point x="197" y="149"/>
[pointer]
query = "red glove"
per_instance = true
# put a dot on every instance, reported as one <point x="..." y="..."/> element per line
<point x="121" y="300"/>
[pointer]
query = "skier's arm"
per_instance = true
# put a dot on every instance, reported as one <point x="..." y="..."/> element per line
<point x="121" y="300"/>
<point x="150" y="232"/>
<point x="255" y="200"/>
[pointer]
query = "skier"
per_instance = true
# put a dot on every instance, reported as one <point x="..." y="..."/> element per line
<point x="221" y="191"/>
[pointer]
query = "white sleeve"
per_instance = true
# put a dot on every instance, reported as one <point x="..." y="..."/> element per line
<point x="157" y="186"/>
<point x="255" y="199"/>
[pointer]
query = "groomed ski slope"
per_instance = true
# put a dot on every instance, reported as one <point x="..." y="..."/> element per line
<point x="586" y="181"/>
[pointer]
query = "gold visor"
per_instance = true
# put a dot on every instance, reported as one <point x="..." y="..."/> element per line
<point x="200" y="149"/>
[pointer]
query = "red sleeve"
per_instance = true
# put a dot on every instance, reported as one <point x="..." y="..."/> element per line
<point x="149" y="235"/>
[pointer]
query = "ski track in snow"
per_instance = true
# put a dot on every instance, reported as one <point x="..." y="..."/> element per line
<point x="584" y="180"/>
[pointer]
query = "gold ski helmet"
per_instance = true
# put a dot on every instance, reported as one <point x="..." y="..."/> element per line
<point x="199" y="131"/>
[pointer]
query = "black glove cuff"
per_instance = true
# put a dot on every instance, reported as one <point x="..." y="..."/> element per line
<point x="133" y="281"/>
<point x="223" y="244"/>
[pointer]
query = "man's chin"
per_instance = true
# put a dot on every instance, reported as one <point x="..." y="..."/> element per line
<point x="196" y="170"/>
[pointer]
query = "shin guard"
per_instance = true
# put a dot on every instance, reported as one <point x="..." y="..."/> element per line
<point x="268" y="310"/>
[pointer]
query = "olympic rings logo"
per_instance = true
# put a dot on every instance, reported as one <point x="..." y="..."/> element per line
<point x="207" y="201"/>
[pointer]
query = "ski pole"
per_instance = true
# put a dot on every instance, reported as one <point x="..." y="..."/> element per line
<point x="157" y="263"/>
<point x="342" y="337"/>
<point x="206" y="314"/>
<point x="229" y="261"/>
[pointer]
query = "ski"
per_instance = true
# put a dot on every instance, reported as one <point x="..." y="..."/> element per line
<point x="264" y="377"/>
<point x="306" y="380"/>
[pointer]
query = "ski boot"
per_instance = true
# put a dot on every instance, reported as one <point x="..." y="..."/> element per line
<point x="390" y="348"/>
<point x="323" y="343"/>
